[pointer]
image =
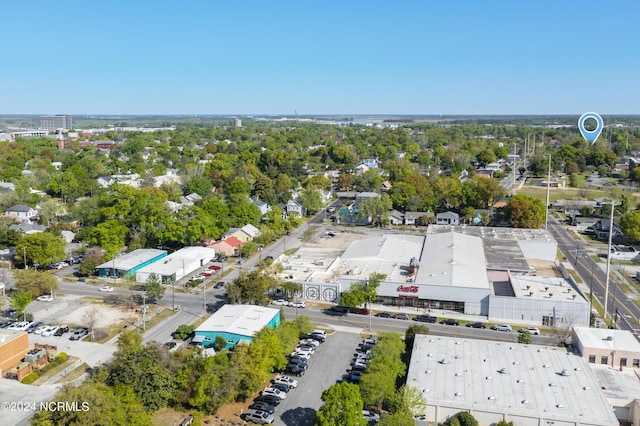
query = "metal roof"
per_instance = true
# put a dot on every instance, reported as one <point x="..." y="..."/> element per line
<point x="129" y="261"/>
<point x="244" y="320"/>
<point x="508" y="378"/>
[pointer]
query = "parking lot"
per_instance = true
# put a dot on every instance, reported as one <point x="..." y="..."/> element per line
<point x="327" y="365"/>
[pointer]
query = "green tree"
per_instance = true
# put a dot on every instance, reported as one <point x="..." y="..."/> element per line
<point x="154" y="289"/>
<point x="486" y="156"/>
<point x="19" y="301"/>
<point x="219" y="343"/>
<point x="409" y="399"/>
<point x="109" y="235"/>
<point x="466" y="419"/>
<point x="36" y="282"/>
<point x="525" y="212"/>
<point x="311" y="200"/>
<point x="93" y="257"/>
<point x="525" y="337"/>
<point x="42" y="248"/>
<point x="251" y="287"/>
<point x="400" y="418"/>
<point x="630" y="225"/>
<point x="342" y="406"/>
<point x="377" y="209"/>
<point x="200" y="185"/>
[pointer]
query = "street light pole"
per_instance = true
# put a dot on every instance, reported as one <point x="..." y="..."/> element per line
<point x="606" y="287"/>
<point x="546" y="214"/>
<point x="144" y="312"/>
<point x="24" y="253"/>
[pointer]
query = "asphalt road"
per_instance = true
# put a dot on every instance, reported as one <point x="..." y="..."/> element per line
<point x="595" y="277"/>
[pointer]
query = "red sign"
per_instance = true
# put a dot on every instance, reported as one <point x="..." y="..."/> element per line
<point x="407" y="288"/>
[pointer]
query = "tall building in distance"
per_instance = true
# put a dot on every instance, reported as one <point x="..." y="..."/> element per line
<point x="55" y="122"/>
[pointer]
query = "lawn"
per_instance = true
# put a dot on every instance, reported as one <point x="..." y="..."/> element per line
<point x="562" y="193"/>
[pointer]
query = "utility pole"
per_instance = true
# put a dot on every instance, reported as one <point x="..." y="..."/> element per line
<point x="144" y="311"/>
<point x="24" y="253"/>
<point x="546" y="214"/>
<point x="173" y="294"/>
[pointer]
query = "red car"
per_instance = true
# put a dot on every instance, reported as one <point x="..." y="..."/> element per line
<point x="214" y="268"/>
<point x="205" y="274"/>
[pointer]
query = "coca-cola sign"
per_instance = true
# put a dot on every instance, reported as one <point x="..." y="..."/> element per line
<point x="407" y="288"/>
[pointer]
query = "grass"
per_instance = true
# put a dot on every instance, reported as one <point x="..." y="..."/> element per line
<point x="156" y="319"/>
<point x="561" y="193"/>
<point x="290" y="251"/>
<point x="575" y="277"/>
<point x="75" y="373"/>
<point x="55" y="370"/>
<point x="309" y="233"/>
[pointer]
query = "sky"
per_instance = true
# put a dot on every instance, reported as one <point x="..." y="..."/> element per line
<point x="310" y="57"/>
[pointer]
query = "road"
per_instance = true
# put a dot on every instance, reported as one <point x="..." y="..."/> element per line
<point x="595" y="278"/>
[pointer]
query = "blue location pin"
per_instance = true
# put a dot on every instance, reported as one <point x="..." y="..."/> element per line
<point x="590" y="136"/>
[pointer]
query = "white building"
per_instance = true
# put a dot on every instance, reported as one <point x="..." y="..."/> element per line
<point x="177" y="265"/>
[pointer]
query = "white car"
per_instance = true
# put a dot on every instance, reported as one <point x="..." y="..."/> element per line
<point x="275" y="392"/>
<point x="44" y="298"/>
<point x="370" y="416"/>
<point x="305" y="348"/>
<point x="300" y="305"/>
<point x="532" y="330"/>
<point x="49" y="331"/>
<point x="286" y="380"/>
<point x="302" y="353"/>
<point x="309" y="342"/>
<point x="106" y="289"/>
<point x="280" y="302"/>
<point x="20" y="326"/>
<point x="258" y="416"/>
<point x="40" y="329"/>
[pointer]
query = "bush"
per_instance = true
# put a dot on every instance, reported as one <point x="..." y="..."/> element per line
<point x="454" y="422"/>
<point x="30" y="378"/>
<point x="184" y="331"/>
<point x="62" y="357"/>
<point x="466" y="419"/>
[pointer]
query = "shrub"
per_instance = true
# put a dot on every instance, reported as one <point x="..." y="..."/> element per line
<point x="184" y="331"/>
<point x="466" y="419"/>
<point x="454" y="422"/>
<point x="62" y="357"/>
<point x="30" y="378"/>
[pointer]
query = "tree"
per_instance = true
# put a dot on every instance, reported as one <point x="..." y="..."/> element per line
<point x="376" y="209"/>
<point x="486" y="156"/>
<point x="363" y="292"/>
<point x="524" y="212"/>
<point x="42" y="248"/>
<point x="109" y="235"/>
<point x="409" y="399"/>
<point x="154" y="289"/>
<point x="19" y="301"/>
<point x="525" y="337"/>
<point x="311" y="200"/>
<point x="466" y="419"/>
<point x="93" y="257"/>
<point x="200" y="185"/>
<point x="342" y="406"/>
<point x="630" y="224"/>
<point x="91" y="317"/>
<point x="35" y="282"/>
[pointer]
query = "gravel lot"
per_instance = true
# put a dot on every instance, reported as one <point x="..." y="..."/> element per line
<point x="326" y="367"/>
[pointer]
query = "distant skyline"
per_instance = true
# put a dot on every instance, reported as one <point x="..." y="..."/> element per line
<point x="331" y="57"/>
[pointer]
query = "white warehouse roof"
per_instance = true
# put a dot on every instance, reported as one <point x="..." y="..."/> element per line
<point x="176" y="261"/>
<point x="129" y="261"/>
<point x="243" y="320"/>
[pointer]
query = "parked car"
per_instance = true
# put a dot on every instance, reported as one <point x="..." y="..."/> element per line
<point x="214" y="268"/>
<point x="269" y="399"/>
<point x="383" y="314"/>
<point x="301" y="354"/>
<point x="501" y="327"/>
<point x="300" y="305"/>
<point x="79" y="333"/>
<point x="61" y="330"/>
<point x="33" y="326"/>
<point x="371" y="416"/>
<point x="339" y="309"/>
<point x="477" y="324"/>
<point x="425" y="318"/>
<point x="280" y="302"/>
<point x="262" y="406"/>
<point x="49" y="331"/>
<point x="171" y="345"/>
<point x="296" y="369"/>
<point x="281" y="386"/>
<point x="40" y="329"/>
<point x="293" y="383"/>
<point x="259" y="417"/>
<point x="206" y="274"/>
<point x="275" y="392"/>
<point x="44" y="298"/>
<point x="309" y="342"/>
<point x="219" y="284"/>
<point x="449" y="321"/>
<point x="295" y="359"/>
<point x="532" y="330"/>
<point x="20" y="325"/>
<point x="360" y="311"/>
<point x="6" y="323"/>
<point x="106" y="289"/>
<point x="401" y="316"/>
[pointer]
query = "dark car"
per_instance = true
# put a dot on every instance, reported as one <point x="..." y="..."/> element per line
<point x="296" y="369"/>
<point x="33" y="326"/>
<point x="317" y="337"/>
<point x="6" y="323"/>
<point x="281" y="386"/>
<point x="477" y="325"/>
<point x="383" y="314"/>
<point x="340" y="309"/>
<point x="425" y="318"/>
<point x="297" y="360"/>
<point x="269" y="399"/>
<point x="263" y="406"/>
<point x="171" y="345"/>
<point x="79" y="334"/>
<point x="219" y="284"/>
<point x="449" y="321"/>
<point x="364" y="347"/>
<point x="62" y="330"/>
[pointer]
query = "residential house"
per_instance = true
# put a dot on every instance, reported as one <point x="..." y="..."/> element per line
<point x="190" y="200"/>
<point x="262" y="206"/>
<point x="295" y="207"/>
<point x="386" y="186"/>
<point x="601" y="229"/>
<point x="229" y="246"/>
<point x="583" y="223"/>
<point x="22" y="212"/>
<point x="360" y="197"/>
<point x="448" y="218"/>
<point x="411" y="218"/>
<point x="105" y="145"/>
<point x="396" y="218"/>
<point x="251" y="231"/>
<point x="27" y="228"/>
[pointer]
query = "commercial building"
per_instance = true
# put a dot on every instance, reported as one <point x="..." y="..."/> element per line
<point x="502" y="273"/>
<point x="128" y="264"/>
<point x="615" y="348"/>
<point x="13" y="347"/>
<point x="494" y="381"/>
<point x="55" y="122"/>
<point x="176" y="265"/>
<point x="236" y="324"/>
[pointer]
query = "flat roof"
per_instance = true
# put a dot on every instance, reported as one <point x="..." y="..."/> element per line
<point x="552" y="288"/>
<point x="9" y="335"/>
<point x="453" y="259"/>
<point x="244" y="320"/>
<point x="177" y="260"/>
<point x="597" y="338"/>
<point x="508" y="378"/>
<point x="129" y="261"/>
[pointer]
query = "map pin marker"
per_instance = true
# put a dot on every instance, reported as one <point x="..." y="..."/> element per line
<point x="590" y="136"/>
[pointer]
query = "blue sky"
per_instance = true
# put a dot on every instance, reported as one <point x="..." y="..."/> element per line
<point x="330" y="57"/>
